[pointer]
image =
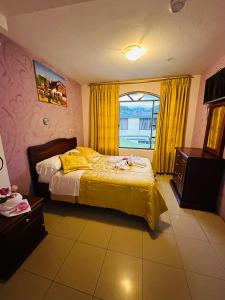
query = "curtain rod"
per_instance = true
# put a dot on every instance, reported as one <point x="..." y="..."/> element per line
<point x="141" y="80"/>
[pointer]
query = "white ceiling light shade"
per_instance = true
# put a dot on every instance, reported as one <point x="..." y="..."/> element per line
<point x="176" y="5"/>
<point x="133" y="52"/>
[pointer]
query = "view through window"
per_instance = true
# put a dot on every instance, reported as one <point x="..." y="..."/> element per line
<point x="138" y="118"/>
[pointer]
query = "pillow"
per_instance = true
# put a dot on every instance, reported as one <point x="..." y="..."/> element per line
<point x="89" y="158"/>
<point x="89" y="153"/>
<point x="72" y="150"/>
<point x="87" y="150"/>
<point x="49" y="166"/>
<point x="74" y="162"/>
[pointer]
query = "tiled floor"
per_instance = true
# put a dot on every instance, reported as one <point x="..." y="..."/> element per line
<point x="93" y="253"/>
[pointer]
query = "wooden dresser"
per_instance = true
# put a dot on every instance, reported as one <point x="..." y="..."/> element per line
<point x="19" y="235"/>
<point x="197" y="178"/>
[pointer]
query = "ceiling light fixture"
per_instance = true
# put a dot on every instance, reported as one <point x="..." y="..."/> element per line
<point x="176" y="5"/>
<point x="133" y="52"/>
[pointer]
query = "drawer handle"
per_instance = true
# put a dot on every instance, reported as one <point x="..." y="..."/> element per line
<point x="27" y="220"/>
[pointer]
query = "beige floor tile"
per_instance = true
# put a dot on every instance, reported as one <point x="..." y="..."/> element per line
<point x="187" y="226"/>
<point x="127" y="241"/>
<point x="96" y="233"/>
<point x="174" y="208"/>
<point x="23" y="286"/>
<point x="171" y="202"/>
<point x="205" y="288"/>
<point x="121" y="278"/>
<point x="164" y="224"/>
<point x="163" y="249"/>
<point x="220" y="251"/>
<point x="213" y="225"/>
<point x="82" y="267"/>
<point x="51" y="220"/>
<point x="199" y="256"/>
<point x="48" y="256"/>
<point x="132" y="222"/>
<point x="60" y="292"/>
<point x="163" y="178"/>
<point x="69" y="227"/>
<point x="162" y="282"/>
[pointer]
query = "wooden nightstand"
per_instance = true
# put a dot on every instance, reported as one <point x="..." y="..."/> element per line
<point x="19" y="236"/>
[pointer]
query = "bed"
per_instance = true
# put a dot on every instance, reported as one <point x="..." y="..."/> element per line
<point x="133" y="191"/>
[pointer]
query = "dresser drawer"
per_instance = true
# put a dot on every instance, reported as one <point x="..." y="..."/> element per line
<point x="197" y="178"/>
<point x="179" y="171"/>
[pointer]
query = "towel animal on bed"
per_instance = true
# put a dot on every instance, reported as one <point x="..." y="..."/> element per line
<point x="124" y="162"/>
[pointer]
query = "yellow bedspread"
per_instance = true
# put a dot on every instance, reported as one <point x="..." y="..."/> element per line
<point x="133" y="191"/>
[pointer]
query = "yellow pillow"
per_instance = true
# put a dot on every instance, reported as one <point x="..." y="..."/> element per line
<point x="89" y="153"/>
<point x="74" y="162"/>
<point x="87" y="150"/>
<point x="86" y="156"/>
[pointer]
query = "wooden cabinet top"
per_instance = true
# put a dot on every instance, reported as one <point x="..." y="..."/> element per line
<point x="197" y="153"/>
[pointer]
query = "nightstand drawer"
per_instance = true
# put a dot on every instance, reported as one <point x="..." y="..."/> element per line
<point x="14" y="233"/>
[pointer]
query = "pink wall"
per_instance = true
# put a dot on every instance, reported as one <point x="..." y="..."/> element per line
<point x="21" y="113"/>
<point x="200" y="123"/>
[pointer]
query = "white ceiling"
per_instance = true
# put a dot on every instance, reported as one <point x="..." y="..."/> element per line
<point x="84" y="40"/>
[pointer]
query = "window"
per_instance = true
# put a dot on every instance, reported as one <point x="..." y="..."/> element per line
<point x="138" y="119"/>
<point x="145" y="124"/>
<point x="123" y="124"/>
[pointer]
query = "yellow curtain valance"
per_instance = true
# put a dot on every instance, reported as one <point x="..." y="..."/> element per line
<point x="170" y="126"/>
<point x="104" y="104"/>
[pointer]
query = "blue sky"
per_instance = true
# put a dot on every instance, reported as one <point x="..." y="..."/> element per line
<point x="47" y="73"/>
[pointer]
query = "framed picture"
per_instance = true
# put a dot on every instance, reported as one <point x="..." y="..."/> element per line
<point x="50" y="86"/>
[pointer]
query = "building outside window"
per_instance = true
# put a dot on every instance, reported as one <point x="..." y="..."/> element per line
<point x="138" y="119"/>
<point x="123" y="124"/>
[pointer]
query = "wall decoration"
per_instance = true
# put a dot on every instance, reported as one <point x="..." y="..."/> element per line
<point x="50" y="86"/>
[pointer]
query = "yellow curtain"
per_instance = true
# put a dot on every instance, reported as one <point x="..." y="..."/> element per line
<point x="170" y="125"/>
<point x="104" y="104"/>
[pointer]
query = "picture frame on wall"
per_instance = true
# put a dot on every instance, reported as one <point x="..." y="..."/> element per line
<point x="51" y="87"/>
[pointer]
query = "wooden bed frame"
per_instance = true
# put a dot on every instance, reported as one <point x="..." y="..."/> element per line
<point x="44" y="151"/>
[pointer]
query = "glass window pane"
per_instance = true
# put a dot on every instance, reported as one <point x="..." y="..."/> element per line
<point x="136" y="96"/>
<point x="149" y="97"/>
<point x="138" y="122"/>
<point x="156" y="107"/>
<point x="123" y="124"/>
<point x="154" y="121"/>
<point x="124" y="98"/>
<point x="145" y="124"/>
<point x="152" y="143"/>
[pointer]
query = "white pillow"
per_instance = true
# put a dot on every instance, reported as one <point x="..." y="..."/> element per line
<point x="49" y="166"/>
<point x="72" y="150"/>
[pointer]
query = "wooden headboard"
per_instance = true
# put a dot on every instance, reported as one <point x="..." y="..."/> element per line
<point x="40" y="152"/>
